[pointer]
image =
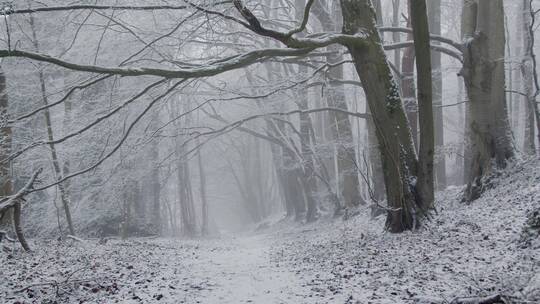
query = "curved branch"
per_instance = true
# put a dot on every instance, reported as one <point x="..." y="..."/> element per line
<point x="10" y="201"/>
<point x="206" y="70"/>
<point x="66" y="97"/>
<point x="438" y="48"/>
<point x="458" y="46"/>
<point x="312" y="41"/>
<point x="305" y="20"/>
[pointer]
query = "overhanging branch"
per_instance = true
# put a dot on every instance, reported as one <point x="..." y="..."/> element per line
<point x="108" y="7"/>
<point x="203" y="70"/>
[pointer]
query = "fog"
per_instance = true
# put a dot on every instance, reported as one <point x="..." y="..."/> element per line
<point x="268" y="151"/>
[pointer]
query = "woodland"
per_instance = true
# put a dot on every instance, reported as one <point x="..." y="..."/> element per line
<point x="272" y="151"/>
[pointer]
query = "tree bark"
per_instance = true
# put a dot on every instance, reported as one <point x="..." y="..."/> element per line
<point x="483" y="74"/>
<point x="393" y="132"/>
<point x="426" y="153"/>
<point x="527" y="63"/>
<point x="6" y="184"/>
<point x="434" y="18"/>
<point x="377" y="178"/>
<point x="156" y="187"/>
<point x="204" y="200"/>
<point x="408" y="89"/>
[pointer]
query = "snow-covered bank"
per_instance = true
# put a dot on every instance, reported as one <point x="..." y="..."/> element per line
<point x="477" y="249"/>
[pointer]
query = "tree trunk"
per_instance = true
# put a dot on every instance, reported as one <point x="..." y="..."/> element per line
<point x="396" y="35"/>
<point x="426" y="153"/>
<point x="434" y="15"/>
<point x="184" y="190"/>
<point x="156" y="187"/>
<point x="204" y="201"/>
<point x="377" y="178"/>
<point x="127" y="202"/>
<point x="310" y="183"/>
<point x="527" y="63"/>
<point x="17" y="226"/>
<point x="6" y="184"/>
<point x="407" y="82"/>
<point x="483" y="74"/>
<point x="393" y="131"/>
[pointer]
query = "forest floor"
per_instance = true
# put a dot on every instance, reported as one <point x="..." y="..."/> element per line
<point x="479" y="249"/>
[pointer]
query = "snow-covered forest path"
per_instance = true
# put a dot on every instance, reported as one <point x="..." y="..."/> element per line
<point x="229" y="269"/>
<point x="244" y="272"/>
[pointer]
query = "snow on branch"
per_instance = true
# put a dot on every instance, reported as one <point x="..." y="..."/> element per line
<point x="105" y="7"/>
<point x="12" y="200"/>
<point x="311" y="41"/>
<point x="203" y="70"/>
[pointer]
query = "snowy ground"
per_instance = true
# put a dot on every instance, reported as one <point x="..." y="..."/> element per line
<point x="466" y="250"/>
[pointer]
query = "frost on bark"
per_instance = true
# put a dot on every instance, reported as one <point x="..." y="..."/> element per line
<point x="396" y="146"/>
<point x="483" y="74"/>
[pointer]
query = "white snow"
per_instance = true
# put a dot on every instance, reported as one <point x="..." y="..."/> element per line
<point x="474" y="249"/>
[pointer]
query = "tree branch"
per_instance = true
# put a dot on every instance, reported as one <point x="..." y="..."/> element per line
<point x="108" y="7"/>
<point x="206" y="70"/>
<point x="12" y="200"/>
<point x="458" y="46"/>
<point x="435" y="47"/>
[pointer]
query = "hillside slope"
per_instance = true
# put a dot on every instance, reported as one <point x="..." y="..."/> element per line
<point x="476" y="249"/>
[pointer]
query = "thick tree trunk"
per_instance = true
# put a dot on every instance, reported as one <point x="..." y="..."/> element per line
<point x="185" y="199"/>
<point x="483" y="74"/>
<point x="426" y="153"/>
<point x="434" y="14"/>
<point x="527" y="63"/>
<point x="377" y="178"/>
<point x="393" y="132"/>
